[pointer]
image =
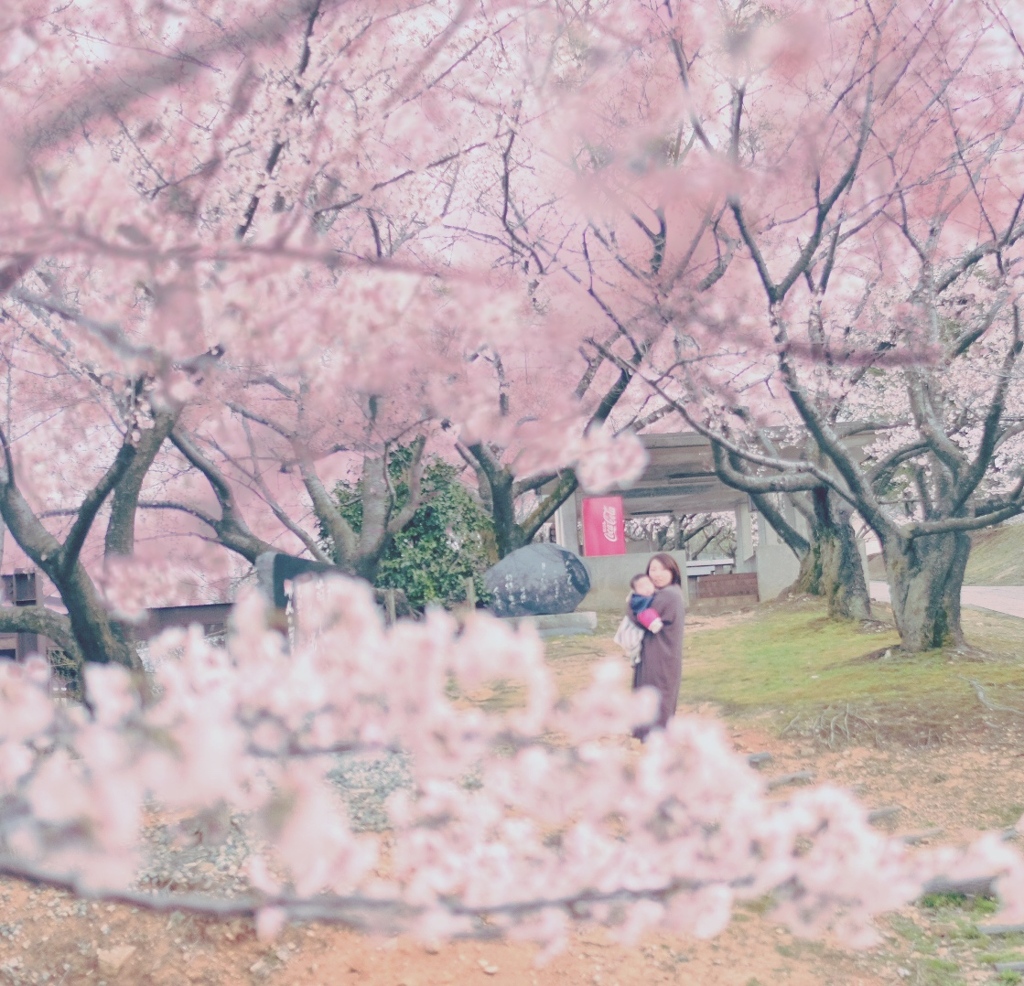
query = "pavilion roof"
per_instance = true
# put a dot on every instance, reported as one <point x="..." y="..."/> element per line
<point x="680" y="476"/>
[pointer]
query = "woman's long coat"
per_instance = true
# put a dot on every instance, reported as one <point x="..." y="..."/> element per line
<point x="661" y="655"/>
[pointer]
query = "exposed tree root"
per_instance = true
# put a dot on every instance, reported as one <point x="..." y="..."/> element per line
<point x="986" y="701"/>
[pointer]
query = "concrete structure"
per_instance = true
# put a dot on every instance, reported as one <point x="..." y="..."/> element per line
<point x="680" y="479"/>
<point x="711" y="585"/>
<point x="777" y="568"/>
<point x="610" y="575"/>
<point x="567" y="524"/>
<point x="212" y="617"/>
<point x="19" y="588"/>
<point x="745" y="560"/>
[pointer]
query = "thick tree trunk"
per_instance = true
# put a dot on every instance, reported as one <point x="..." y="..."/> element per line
<point x="499" y="491"/>
<point x="91" y="624"/>
<point x="382" y="517"/>
<point x="507" y="533"/>
<point x="87" y="633"/>
<point x="377" y="502"/>
<point x="89" y="620"/>
<point x="366" y="566"/>
<point x="925" y="577"/>
<point x="124" y="508"/>
<point x="124" y="500"/>
<point x="832" y="566"/>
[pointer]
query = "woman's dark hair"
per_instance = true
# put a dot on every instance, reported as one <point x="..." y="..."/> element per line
<point x="667" y="561"/>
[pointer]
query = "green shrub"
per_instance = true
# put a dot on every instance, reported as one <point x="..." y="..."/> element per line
<point x="448" y="540"/>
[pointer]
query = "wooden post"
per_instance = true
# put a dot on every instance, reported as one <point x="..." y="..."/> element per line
<point x="389" y="605"/>
<point x="470" y="595"/>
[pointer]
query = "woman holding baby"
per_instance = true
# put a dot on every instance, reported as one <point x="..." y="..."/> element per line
<point x="661" y="652"/>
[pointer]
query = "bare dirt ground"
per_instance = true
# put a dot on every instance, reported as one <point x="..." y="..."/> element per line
<point x="960" y="789"/>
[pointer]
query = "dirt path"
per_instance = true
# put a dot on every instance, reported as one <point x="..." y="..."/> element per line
<point x="49" y="938"/>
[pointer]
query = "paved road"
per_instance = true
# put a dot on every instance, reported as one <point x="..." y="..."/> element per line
<point x="1008" y="599"/>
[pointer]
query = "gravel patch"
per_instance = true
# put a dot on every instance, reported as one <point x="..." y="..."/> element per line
<point x="180" y="860"/>
<point x="365" y="782"/>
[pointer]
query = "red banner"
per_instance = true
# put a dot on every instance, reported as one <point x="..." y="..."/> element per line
<point x="603" y="530"/>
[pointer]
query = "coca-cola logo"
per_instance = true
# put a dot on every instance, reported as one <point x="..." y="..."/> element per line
<point x="609" y="526"/>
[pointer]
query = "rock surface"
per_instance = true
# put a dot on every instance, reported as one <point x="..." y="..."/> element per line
<point x="538" y="580"/>
<point x="110" y="960"/>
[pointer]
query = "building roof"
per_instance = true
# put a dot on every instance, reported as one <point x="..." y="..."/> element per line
<point x="680" y="478"/>
<point x="680" y="474"/>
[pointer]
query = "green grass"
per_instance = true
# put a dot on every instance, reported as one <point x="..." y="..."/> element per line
<point x="941" y="965"/>
<point x="837" y="682"/>
<point x="770" y="660"/>
<point x="979" y="906"/>
<point x="950" y="921"/>
<point x="1006" y="955"/>
<point x="997" y="556"/>
<point x="824" y="678"/>
<point x="793" y="657"/>
<point x="913" y="934"/>
<point x="922" y="942"/>
<point x="939" y="972"/>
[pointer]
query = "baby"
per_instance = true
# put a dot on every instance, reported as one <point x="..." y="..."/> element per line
<point x="640" y="602"/>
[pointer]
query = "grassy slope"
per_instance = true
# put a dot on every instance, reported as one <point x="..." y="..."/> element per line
<point x="792" y="659"/>
<point x="997" y="557"/>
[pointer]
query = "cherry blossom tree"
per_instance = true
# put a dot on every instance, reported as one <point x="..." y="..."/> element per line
<point x="303" y="187"/>
<point x="271" y="444"/>
<point x="870" y="249"/>
<point x="120" y="427"/>
<point x="693" y="532"/>
<point x="228" y="254"/>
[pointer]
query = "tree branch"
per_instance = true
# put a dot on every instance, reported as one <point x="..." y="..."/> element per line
<point x="45" y="622"/>
<point x="545" y="510"/>
<point x="90" y="506"/>
<point x="398" y="521"/>
<point x="232" y="532"/>
<point x="120" y="536"/>
<point x="990" y="431"/>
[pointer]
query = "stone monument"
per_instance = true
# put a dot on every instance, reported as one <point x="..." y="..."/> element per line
<point x="538" y="580"/>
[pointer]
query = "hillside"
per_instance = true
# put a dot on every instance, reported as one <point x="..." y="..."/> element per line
<point x="997" y="557"/>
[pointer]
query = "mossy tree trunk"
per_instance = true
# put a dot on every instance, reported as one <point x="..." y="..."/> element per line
<point x="499" y="492"/>
<point x="831" y="567"/>
<point x="925" y="577"/>
<point x="830" y="562"/>
<point x="88" y="620"/>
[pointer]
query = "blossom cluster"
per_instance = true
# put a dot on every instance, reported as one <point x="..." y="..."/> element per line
<point x="602" y="459"/>
<point x="520" y="820"/>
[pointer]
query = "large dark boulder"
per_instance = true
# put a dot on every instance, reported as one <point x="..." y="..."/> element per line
<point x="538" y="580"/>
